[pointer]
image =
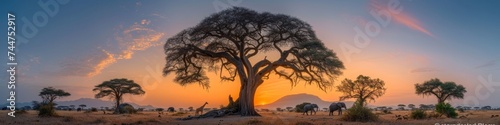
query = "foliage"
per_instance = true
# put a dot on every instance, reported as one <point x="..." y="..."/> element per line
<point x="359" y="113"/>
<point x="159" y="109"/>
<point x="49" y="94"/>
<point x="116" y="88"/>
<point x="93" y="109"/>
<point x="226" y="43"/>
<point x="387" y="111"/>
<point x="300" y="107"/>
<point x="443" y="91"/>
<point x="46" y="107"/>
<point x="418" y="114"/>
<point x="363" y="89"/>
<point x="126" y="108"/>
<point x="446" y="109"/>
<point x="46" y="110"/>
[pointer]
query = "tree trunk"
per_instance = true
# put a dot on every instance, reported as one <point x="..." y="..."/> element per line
<point x="247" y="94"/>
<point x="117" y="110"/>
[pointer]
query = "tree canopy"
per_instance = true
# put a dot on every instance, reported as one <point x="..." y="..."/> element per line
<point x="116" y="88"/>
<point x="49" y="94"/>
<point x="227" y="42"/>
<point x="363" y="89"/>
<point x="442" y="90"/>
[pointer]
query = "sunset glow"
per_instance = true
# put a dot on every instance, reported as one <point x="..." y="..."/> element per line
<point x="83" y="46"/>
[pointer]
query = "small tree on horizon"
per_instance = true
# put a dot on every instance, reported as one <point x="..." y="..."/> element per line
<point x="49" y="94"/>
<point x="116" y="88"/>
<point x="442" y="90"/>
<point x="411" y="106"/>
<point x="402" y="106"/>
<point x="363" y="89"/>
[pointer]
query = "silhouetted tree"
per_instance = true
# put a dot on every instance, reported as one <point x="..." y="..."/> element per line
<point x="402" y="106"/>
<point x="363" y="89"/>
<point x="443" y="91"/>
<point x="411" y="106"/>
<point x="116" y="88"/>
<point x="229" y="41"/>
<point x="50" y="94"/>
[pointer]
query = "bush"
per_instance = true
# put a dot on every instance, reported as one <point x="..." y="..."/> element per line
<point x="300" y="107"/>
<point x="446" y="109"/>
<point x="418" y="114"/>
<point x="461" y="110"/>
<point x="93" y="109"/>
<point x="387" y="111"/>
<point x="359" y="114"/>
<point x="46" y="110"/>
<point x="126" y="109"/>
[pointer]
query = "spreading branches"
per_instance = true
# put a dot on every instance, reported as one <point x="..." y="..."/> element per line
<point x="224" y="43"/>
<point x="442" y="91"/>
<point x="49" y="94"/>
<point x="363" y="89"/>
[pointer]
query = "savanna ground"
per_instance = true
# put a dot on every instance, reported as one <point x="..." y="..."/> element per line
<point x="268" y="118"/>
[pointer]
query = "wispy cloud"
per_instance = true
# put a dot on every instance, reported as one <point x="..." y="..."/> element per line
<point x="424" y="69"/>
<point x="403" y="18"/>
<point x="490" y="63"/>
<point x="126" y="42"/>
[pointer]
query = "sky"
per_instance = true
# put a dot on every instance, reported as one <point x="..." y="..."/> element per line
<point x="75" y="45"/>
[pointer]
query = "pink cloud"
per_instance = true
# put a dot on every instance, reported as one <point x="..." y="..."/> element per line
<point x="402" y="18"/>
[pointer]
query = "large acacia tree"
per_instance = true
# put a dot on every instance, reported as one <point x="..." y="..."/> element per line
<point x="232" y="43"/>
<point x="442" y="90"/>
<point x="116" y="88"/>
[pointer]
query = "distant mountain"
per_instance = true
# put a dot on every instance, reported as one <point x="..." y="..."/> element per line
<point x="292" y="100"/>
<point x="97" y="103"/>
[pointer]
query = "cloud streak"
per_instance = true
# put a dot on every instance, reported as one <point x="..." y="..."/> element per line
<point x="403" y="18"/>
<point x="126" y="42"/>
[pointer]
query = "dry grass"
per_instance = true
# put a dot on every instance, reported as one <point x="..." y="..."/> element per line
<point x="277" y="118"/>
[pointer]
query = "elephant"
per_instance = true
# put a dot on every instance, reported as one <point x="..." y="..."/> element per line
<point x="337" y="106"/>
<point x="310" y="107"/>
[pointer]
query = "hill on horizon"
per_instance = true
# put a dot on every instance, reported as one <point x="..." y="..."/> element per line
<point x="295" y="99"/>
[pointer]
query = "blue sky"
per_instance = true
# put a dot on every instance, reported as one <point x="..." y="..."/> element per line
<point x="87" y="42"/>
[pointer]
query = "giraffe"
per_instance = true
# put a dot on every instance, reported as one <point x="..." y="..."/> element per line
<point x="200" y="109"/>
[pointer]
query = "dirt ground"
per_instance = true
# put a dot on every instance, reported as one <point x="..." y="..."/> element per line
<point x="268" y="118"/>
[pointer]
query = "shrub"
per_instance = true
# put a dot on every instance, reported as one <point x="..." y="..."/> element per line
<point x="461" y="110"/>
<point x="446" y="109"/>
<point x="300" y="107"/>
<point x="418" y="114"/>
<point x="46" y="110"/>
<point x="360" y="114"/>
<point x="93" y="109"/>
<point x="387" y="111"/>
